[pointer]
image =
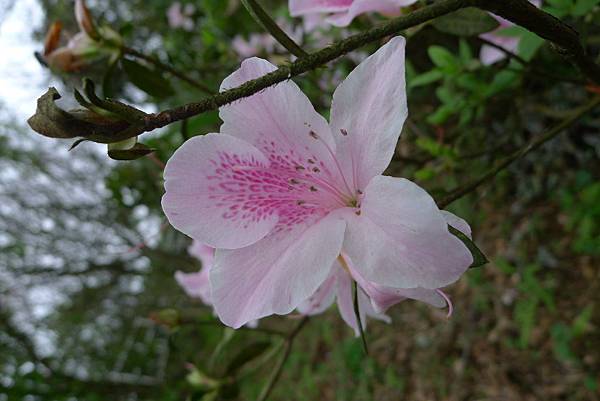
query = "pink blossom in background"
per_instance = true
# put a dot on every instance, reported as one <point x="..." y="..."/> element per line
<point x="488" y="54"/>
<point x="342" y="12"/>
<point x="196" y="285"/>
<point x="282" y="194"/>
<point x="258" y="43"/>
<point x="181" y="16"/>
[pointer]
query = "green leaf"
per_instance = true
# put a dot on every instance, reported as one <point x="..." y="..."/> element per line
<point x="150" y="81"/>
<point x="108" y="86"/>
<point x="479" y="258"/>
<point x="246" y="355"/>
<point x="441" y="114"/>
<point x="426" y="78"/>
<point x="529" y="45"/>
<point x="464" y="50"/>
<point x="582" y="321"/>
<point x="582" y="7"/>
<point x="442" y="58"/>
<point x="201" y="380"/>
<point x="466" y="22"/>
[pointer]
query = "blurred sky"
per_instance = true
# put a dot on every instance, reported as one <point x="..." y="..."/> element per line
<point x="22" y="78"/>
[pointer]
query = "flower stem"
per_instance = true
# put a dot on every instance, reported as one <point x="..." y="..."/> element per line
<point x="358" y="319"/>
<point x="287" y="348"/>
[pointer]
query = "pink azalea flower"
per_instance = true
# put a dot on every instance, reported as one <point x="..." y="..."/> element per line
<point x="488" y="54"/>
<point x="196" y="285"/>
<point x="264" y="42"/>
<point x="342" y="12"/>
<point x="281" y="194"/>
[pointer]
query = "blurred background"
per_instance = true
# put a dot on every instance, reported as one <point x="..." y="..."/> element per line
<point x="90" y="309"/>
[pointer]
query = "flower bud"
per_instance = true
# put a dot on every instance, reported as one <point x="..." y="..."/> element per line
<point x="84" y="20"/>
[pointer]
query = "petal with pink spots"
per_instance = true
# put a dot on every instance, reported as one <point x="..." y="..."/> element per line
<point x="218" y="191"/>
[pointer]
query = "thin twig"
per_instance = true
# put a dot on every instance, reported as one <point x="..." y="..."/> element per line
<point x="287" y="348"/>
<point x="532" y="145"/>
<point x="564" y="37"/>
<point x="529" y="66"/>
<point x="187" y="321"/>
<point x="265" y="20"/>
<point x="165" y="67"/>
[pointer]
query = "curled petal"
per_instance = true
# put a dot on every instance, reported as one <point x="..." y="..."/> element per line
<point x="457" y="222"/>
<point x="383" y="297"/>
<point x="345" y="301"/>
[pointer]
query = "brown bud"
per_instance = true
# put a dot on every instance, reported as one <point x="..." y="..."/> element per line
<point x="84" y="19"/>
<point x="52" y="38"/>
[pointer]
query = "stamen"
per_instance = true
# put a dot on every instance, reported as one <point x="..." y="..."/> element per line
<point x="316" y="170"/>
<point x="311" y="161"/>
<point x="448" y="302"/>
<point x="358" y="191"/>
<point x="344" y="264"/>
<point x="313" y="189"/>
<point x="344" y="132"/>
<point x="299" y="168"/>
<point x="293" y="181"/>
<point x="357" y="212"/>
<point x="335" y="161"/>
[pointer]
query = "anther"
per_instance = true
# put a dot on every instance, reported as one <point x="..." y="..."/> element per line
<point x="316" y="170"/>
<point x="311" y="161"/>
<point x="357" y="212"/>
<point x="313" y="134"/>
<point x="299" y="168"/>
<point x="313" y="189"/>
<point x="344" y="132"/>
<point x="300" y="202"/>
<point x="358" y="191"/>
<point x="293" y="181"/>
